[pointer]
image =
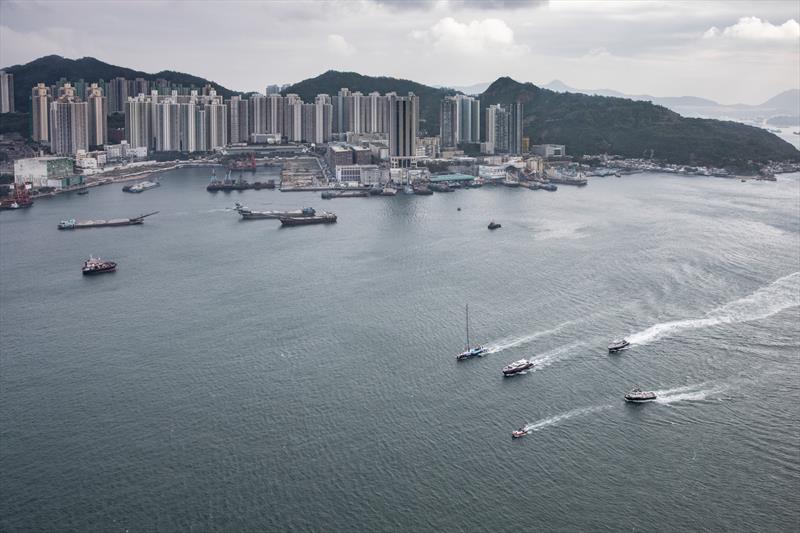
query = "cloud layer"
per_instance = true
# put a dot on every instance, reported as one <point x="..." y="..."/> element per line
<point x="660" y="47"/>
<point x="755" y="29"/>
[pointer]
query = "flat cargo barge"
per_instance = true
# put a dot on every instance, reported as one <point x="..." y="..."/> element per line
<point x="324" y="218"/>
<point x="100" y="223"/>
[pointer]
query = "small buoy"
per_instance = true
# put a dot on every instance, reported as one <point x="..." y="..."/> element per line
<point x="459" y="209"/>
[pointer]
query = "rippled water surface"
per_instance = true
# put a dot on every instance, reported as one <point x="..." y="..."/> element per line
<point x="235" y="376"/>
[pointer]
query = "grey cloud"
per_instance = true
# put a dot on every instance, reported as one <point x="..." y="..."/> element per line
<point x="423" y="5"/>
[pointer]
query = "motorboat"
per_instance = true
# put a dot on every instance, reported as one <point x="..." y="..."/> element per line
<point x="519" y="433"/>
<point x="638" y="395"/>
<point x="618" y="345"/>
<point x="517" y="366"/>
<point x="494" y="225"/>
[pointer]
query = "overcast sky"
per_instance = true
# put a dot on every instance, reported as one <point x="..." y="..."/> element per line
<point x="732" y="51"/>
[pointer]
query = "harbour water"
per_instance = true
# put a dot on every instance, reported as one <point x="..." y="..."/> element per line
<point x="239" y="376"/>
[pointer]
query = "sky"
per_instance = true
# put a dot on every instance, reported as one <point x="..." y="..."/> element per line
<point x="730" y="51"/>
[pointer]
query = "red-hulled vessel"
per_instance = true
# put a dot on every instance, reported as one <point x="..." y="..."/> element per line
<point x="18" y="200"/>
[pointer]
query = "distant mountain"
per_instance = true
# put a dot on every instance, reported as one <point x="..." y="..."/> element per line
<point x="331" y="81"/>
<point x="785" y="103"/>
<point x="475" y="88"/>
<point x="590" y="124"/>
<point x="50" y="69"/>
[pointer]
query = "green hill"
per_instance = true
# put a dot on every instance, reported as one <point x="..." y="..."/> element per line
<point x="50" y="69"/>
<point x="599" y="124"/>
<point x="331" y="81"/>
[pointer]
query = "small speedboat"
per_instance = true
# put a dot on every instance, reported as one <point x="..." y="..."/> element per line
<point x="517" y="366"/>
<point x="494" y="225"/>
<point x="618" y="345"/>
<point x="638" y="395"/>
<point x="519" y="433"/>
<point x="82" y="192"/>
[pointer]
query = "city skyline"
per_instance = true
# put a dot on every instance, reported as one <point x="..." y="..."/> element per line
<point x="658" y="48"/>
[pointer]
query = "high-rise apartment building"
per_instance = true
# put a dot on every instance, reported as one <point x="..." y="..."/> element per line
<point x="217" y="120"/>
<point x="137" y="121"/>
<point x="449" y="122"/>
<point x="275" y="111"/>
<point x="6" y="92"/>
<point x="273" y="89"/>
<point x="515" y="128"/>
<point x="117" y="95"/>
<point x="68" y="125"/>
<point x="403" y="125"/>
<point x="97" y="109"/>
<point x="239" y="120"/>
<point x="504" y="129"/>
<point x="459" y="120"/>
<point x="258" y="113"/>
<point x="41" y="96"/>
<point x="323" y="119"/>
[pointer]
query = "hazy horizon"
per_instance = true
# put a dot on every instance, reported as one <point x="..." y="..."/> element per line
<point x="727" y="52"/>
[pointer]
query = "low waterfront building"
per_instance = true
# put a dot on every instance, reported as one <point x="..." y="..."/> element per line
<point x="123" y="150"/>
<point x="549" y="150"/>
<point x="361" y="155"/>
<point x="47" y="171"/>
<point x="492" y="172"/>
<point x="90" y="160"/>
<point x="362" y="174"/>
<point x="265" y="138"/>
<point x="337" y="155"/>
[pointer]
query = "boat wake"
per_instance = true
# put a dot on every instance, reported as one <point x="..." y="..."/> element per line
<point x="548" y="358"/>
<point x="505" y="344"/>
<point x="783" y="293"/>
<point x="553" y="420"/>
<point x="688" y="393"/>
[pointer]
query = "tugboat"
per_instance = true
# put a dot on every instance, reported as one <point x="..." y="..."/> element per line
<point x="97" y="266"/>
<point x="517" y="367"/>
<point x="518" y="434"/>
<point x="494" y="225"/>
<point x="637" y="395"/>
<point x="470" y="351"/>
<point x="618" y="345"/>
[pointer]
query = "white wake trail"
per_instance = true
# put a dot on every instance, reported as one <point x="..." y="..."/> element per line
<point x="687" y="393"/>
<point x="511" y="342"/>
<point x="783" y="293"/>
<point x="557" y="354"/>
<point x="550" y="421"/>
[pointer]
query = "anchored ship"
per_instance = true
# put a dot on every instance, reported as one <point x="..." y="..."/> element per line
<point x="323" y="218"/>
<point x="97" y="266"/>
<point x="80" y="224"/>
<point x="142" y="186"/>
<point x="249" y="214"/>
<point x="20" y="199"/>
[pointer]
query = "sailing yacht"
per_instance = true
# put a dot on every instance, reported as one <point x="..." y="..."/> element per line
<point x="470" y="351"/>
